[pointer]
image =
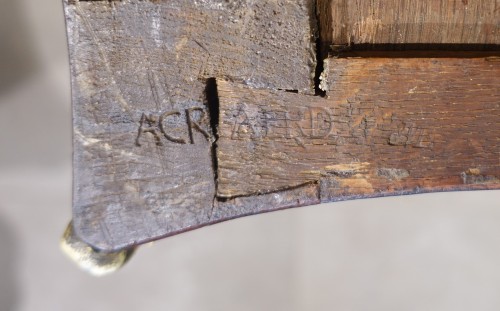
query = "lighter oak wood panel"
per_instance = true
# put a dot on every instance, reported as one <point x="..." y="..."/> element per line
<point x="354" y="22"/>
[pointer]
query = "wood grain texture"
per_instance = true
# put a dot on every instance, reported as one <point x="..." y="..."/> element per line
<point x="388" y="126"/>
<point x="142" y="136"/>
<point x="145" y="108"/>
<point x="360" y="22"/>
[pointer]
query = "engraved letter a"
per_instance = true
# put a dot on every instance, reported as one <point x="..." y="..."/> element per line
<point x="148" y="124"/>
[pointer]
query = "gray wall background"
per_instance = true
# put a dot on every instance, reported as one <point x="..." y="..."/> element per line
<point x="424" y="252"/>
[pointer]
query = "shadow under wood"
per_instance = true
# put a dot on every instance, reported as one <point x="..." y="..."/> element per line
<point x="17" y="58"/>
<point x="212" y="103"/>
<point x="427" y="46"/>
<point x="9" y="290"/>
<point x="410" y="50"/>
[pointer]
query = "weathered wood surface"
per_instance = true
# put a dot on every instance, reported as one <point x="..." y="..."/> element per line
<point x="145" y="110"/>
<point x="360" y="22"/>
<point x="142" y="137"/>
<point x="388" y="126"/>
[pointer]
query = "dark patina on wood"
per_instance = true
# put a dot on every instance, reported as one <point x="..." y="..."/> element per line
<point x="142" y="137"/>
<point x="161" y="148"/>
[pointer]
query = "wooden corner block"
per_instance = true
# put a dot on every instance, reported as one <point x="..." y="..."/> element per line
<point x="142" y="137"/>
<point x="187" y="113"/>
